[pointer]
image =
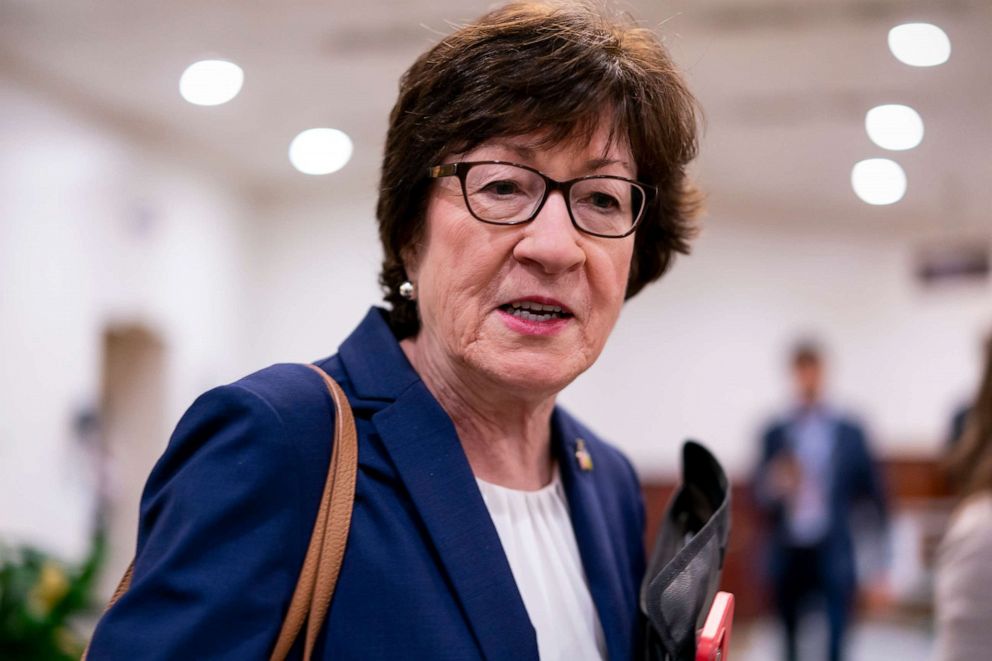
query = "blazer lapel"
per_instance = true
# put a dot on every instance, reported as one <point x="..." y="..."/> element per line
<point x="423" y="445"/>
<point x="593" y="536"/>
<point x="425" y="449"/>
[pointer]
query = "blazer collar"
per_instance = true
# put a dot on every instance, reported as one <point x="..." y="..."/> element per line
<point x="374" y="361"/>
<point x="422" y="442"/>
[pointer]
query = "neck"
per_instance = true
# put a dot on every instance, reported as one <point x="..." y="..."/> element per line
<point x="506" y="435"/>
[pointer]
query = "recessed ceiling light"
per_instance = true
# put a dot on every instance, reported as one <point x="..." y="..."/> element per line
<point x="211" y="82"/>
<point x="894" y="126"/>
<point x="919" y="44"/>
<point x="320" y="151"/>
<point x="878" y="181"/>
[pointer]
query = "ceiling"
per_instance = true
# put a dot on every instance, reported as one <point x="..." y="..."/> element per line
<point x="784" y="84"/>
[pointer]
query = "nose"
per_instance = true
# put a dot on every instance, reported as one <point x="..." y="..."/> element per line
<point x="550" y="242"/>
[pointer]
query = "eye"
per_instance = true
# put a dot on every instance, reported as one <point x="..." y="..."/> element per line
<point x="502" y="188"/>
<point x="604" y="201"/>
<point x="600" y="202"/>
<point x="603" y="196"/>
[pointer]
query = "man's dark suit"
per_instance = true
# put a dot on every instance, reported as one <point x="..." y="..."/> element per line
<point x="828" y="566"/>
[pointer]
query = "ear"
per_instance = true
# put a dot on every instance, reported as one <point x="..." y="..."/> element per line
<point x="410" y="256"/>
<point x="412" y="252"/>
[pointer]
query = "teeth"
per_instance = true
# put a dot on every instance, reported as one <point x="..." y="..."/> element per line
<point x="531" y="311"/>
<point x="530" y="316"/>
<point x="535" y="307"/>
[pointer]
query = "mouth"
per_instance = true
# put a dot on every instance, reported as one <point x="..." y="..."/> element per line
<point x="530" y="309"/>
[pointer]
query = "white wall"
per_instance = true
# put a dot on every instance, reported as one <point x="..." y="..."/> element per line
<point x="96" y="231"/>
<point x="314" y="274"/>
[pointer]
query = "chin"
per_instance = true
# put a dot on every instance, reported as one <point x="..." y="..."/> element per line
<point x="539" y="374"/>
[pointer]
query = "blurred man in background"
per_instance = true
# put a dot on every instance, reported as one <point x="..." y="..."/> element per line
<point x="814" y="469"/>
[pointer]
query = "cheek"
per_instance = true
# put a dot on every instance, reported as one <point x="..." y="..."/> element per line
<point x="458" y="271"/>
<point x="455" y="261"/>
<point x="615" y="272"/>
<point x="609" y="286"/>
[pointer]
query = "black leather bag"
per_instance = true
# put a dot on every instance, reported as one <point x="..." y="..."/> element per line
<point x="684" y="570"/>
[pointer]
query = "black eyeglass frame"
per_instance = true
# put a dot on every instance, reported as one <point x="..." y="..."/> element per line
<point x="462" y="168"/>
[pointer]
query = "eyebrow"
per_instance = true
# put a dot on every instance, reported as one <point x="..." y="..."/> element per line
<point x="527" y="153"/>
<point x="597" y="163"/>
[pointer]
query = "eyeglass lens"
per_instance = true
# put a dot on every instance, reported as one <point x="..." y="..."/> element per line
<point x="502" y="193"/>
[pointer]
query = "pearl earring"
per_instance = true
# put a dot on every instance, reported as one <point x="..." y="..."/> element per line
<point x="406" y="290"/>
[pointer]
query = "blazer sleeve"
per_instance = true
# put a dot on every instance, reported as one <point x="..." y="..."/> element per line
<point x="221" y="538"/>
<point x="870" y="484"/>
<point x="771" y="444"/>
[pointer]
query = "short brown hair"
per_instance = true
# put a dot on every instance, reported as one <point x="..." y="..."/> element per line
<point x="806" y="353"/>
<point x="550" y="67"/>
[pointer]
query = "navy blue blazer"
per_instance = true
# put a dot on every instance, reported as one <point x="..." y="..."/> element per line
<point x="227" y="513"/>
<point x="853" y="478"/>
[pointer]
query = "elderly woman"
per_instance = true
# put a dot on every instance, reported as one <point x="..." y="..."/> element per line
<point x="533" y="179"/>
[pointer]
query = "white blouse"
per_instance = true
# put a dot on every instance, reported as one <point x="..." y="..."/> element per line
<point x="536" y="532"/>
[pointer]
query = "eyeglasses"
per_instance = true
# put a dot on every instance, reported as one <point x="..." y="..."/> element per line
<point x="503" y="193"/>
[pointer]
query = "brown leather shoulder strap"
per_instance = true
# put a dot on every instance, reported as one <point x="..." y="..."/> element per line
<point x="322" y="564"/>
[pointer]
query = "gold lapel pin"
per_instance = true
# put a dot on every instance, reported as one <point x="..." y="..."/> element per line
<point x="582" y="455"/>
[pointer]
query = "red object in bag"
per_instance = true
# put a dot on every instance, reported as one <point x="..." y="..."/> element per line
<point x="713" y="641"/>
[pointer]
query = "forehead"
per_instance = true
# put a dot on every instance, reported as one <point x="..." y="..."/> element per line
<point x="599" y="146"/>
<point x="806" y="364"/>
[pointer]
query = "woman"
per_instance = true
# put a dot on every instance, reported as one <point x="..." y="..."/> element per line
<point x="533" y="178"/>
<point x="964" y="558"/>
